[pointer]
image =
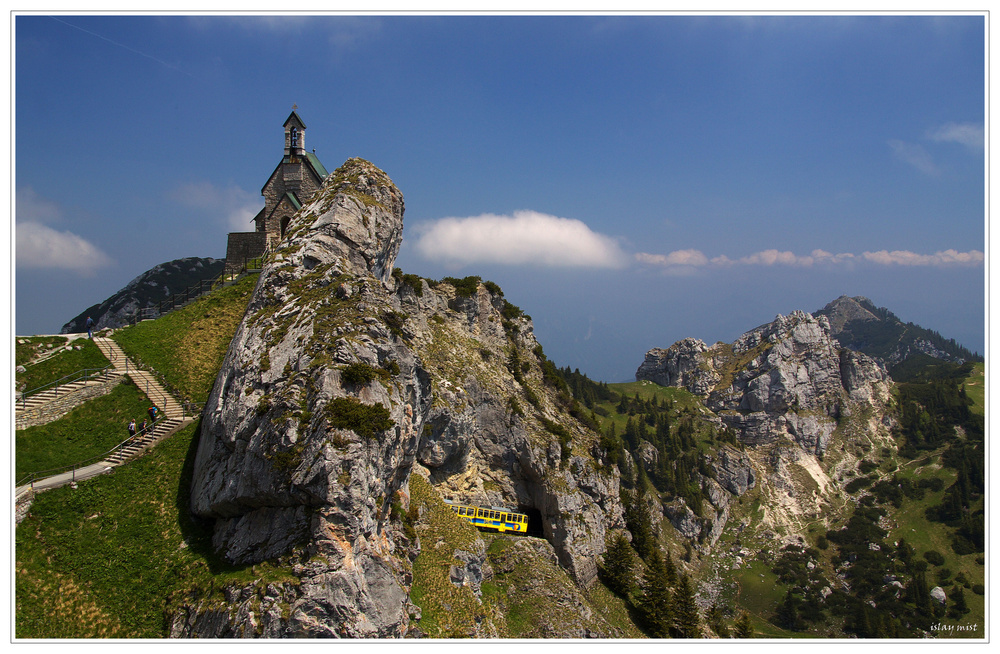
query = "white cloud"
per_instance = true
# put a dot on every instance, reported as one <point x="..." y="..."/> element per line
<point x="33" y="208"/>
<point x="685" y="259"/>
<point x="775" y="257"/>
<point x="915" y="155"/>
<point x="526" y="238"/>
<point x="967" y="134"/>
<point x="231" y="204"/>
<point x="822" y="256"/>
<point x="41" y="247"/>
<point x="907" y="258"/>
<point x="675" y="258"/>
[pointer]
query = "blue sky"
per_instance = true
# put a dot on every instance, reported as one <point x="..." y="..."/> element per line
<point x="627" y="180"/>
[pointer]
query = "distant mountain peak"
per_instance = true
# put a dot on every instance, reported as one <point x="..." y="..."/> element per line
<point x="858" y="324"/>
<point x="845" y="309"/>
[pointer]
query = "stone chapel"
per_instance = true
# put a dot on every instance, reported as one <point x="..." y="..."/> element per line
<point x="294" y="180"/>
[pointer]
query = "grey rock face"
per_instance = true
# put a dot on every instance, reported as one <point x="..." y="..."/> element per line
<point x="733" y="471"/>
<point x="335" y="385"/>
<point x="682" y="365"/>
<point x="789" y="378"/>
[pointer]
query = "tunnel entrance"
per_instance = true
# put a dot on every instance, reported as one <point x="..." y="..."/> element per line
<point x="535" y="525"/>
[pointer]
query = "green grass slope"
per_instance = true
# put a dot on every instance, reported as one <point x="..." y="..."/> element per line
<point x="187" y="346"/>
<point x="51" y="369"/>
<point x="87" y="431"/>
<point x="111" y="557"/>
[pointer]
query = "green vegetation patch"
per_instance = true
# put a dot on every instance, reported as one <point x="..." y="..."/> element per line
<point x="113" y="557"/>
<point x="89" y="430"/>
<point x="465" y="287"/>
<point x="975" y="387"/>
<point x="362" y="373"/>
<point x="535" y="595"/>
<point x="27" y="348"/>
<point x="365" y="420"/>
<point x="187" y="346"/>
<point x="64" y="363"/>
<point x="447" y="611"/>
<point x="413" y="281"/>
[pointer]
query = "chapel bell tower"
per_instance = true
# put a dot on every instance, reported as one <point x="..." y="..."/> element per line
<point x="295" y="136"/>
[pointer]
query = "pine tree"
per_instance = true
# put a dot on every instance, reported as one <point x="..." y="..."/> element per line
<point x="619" y="566"/>
<point x="788" y="612"/>
<point x="671" y="570"/>
<point x="686" y="621"/>
<point x="743" y="627"/>
<point x="716" y="622"/>
<point x="655" y="602"/>
<point x="636" y="520"/>
<point x="959" y="606"/>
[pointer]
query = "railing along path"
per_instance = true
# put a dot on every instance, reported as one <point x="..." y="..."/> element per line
<point x="174" y="415"/>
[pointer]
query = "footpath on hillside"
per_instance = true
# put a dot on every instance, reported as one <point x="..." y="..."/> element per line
<point x="174" y="418"/>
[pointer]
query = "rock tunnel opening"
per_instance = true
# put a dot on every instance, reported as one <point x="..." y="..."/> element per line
<point x="535" y="524"/>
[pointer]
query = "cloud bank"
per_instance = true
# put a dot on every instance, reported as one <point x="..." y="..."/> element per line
<point x="42" y="247"/>
<point x="39" y="246"/>
<point x="694" y="258"/>
<point x="971" y="135"/>
<point x="914" y="155"/>
<point x="526" y="238"/>
<point x="967" y="134"/>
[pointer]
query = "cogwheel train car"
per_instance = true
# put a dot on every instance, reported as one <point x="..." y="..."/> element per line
<point x="492" y="518"/>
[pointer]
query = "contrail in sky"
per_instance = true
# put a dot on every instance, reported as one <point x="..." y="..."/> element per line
<point x="122" y="45"/>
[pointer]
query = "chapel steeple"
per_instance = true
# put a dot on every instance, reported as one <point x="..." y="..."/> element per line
<point x="295" y="135"/>
<point x="295" y="179"/>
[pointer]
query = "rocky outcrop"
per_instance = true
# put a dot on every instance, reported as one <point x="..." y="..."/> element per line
<point x="340" y="379"/>
<point x="146" y="292"/>
<point x="788" y="378"/>
<point x="786" y="391"/>
<point x="683" y="365"/>
<point x="733" y="470"/>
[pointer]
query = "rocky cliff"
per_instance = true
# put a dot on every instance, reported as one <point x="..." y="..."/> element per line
<point x="802" y="410"/>
<point x="341" y="381"/>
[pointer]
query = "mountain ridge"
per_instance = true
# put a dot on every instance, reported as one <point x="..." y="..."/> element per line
<point x="146" y="291"/>
<point x="862" y="326"/>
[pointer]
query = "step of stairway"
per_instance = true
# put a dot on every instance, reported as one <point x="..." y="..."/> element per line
<point x="46" y="396"/>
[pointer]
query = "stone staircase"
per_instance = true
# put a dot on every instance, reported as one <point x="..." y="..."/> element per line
<point x="52" y="394"/>
<point x="145" y="380"/>
<point x="171" y="418"/>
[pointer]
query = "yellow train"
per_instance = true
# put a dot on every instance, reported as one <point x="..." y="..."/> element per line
<point x="492" y="519"/>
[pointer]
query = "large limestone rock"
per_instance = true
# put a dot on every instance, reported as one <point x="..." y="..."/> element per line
<point x="293" y="453"/>
<point x="339" y="381"/>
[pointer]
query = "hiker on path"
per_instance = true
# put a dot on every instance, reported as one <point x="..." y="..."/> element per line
<point x="131" y="429"/>
<point x="142" y="428"/>
<point x="152" y="414"/>
<point x="90" y="328"/>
